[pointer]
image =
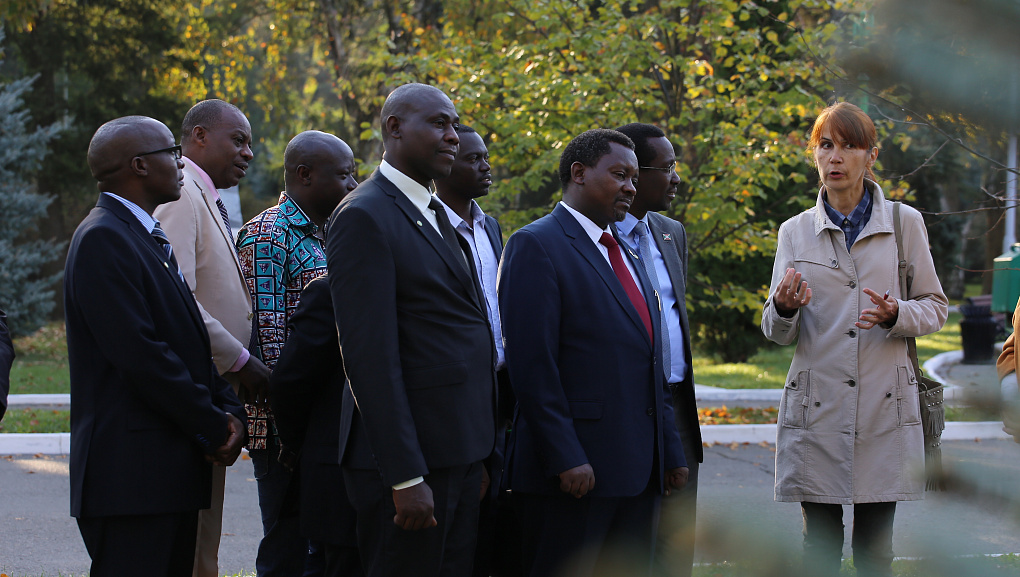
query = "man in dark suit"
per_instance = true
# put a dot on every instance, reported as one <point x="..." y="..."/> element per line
<point x="595" y="444"/>
<point x="149" y="411"/>
<point x="305" y="393"/>
<point x="661" y="244"/>
<point x="470" y="178"/>
<point x="6" y="360"/>
<point x="417" y="348"/>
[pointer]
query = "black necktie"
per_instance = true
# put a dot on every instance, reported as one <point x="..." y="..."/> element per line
<point x="161" y="238"/>
<point x="449" y="234"/>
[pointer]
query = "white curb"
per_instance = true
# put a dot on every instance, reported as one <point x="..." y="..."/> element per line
<point x="32" y="443"/>
<point x="955" y="431"/>
<point x="15" y="401"/>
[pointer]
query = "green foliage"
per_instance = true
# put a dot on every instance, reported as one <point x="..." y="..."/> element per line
<point x="36" y="421"/>
<point x="26" y="292"/>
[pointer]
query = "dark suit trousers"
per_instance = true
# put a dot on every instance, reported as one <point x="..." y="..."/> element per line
<point x="446" y="550"/>
<point x="563" y="535"/>
<point x="675" y="548"/>
<point x="151" y="545"/>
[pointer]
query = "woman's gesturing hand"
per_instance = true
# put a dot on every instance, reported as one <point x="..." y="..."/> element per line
<point x="886" y="310"/>
<point x="791" y="294"/>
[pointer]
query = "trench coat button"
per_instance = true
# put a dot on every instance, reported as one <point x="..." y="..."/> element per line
<point x="851" y="383"/>
<point x="887" y="395"/>
<point x="650" y="411"/>
<point x="817" y="404"/>
<point x="853" y="285"/>
<point x="852" y="333"/>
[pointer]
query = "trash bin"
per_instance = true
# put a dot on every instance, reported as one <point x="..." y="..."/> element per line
<point x="1006" y="280"/>
<point x="978" y="330"/>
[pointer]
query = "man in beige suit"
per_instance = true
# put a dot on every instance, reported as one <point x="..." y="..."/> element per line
<point x="216" y="139"/>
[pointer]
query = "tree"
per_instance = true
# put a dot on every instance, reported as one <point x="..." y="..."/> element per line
<point x="26" y="294"/>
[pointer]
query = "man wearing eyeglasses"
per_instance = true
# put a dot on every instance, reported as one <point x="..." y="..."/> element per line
<point x="661" y="243"/>
<point x="149" y="410"/>
<point x="216" y="140"/>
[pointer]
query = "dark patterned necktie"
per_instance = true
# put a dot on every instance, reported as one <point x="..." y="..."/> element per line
<point x="161" y="238"/>
<point x="629" y="286"/>
<point x="226" y="217"/>
<point x="449" y="234"/>
<point x="645" y="252"/>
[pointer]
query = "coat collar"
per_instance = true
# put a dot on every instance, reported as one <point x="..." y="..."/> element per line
<point x="881" y="213"/>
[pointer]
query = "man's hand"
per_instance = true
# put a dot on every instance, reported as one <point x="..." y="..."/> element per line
<point x="578" y="481"/>
<point x="227" y="453"/>
<point x="675" y="479"/>
<point x="254" y="377"/>
<point x="414" y="507"/>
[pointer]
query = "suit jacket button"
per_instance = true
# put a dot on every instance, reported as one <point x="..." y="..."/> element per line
<point x="650" y="411"/>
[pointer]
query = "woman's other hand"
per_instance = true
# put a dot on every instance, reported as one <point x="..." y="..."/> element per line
<point x="885" y="312"/>
<point x="791" y="294"/>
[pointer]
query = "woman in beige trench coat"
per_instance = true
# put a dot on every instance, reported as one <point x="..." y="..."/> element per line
<point x="849" y="423"/>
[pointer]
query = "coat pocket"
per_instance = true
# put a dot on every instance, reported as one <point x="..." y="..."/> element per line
<point x="796" y="399"/>
<point x="908" y="407"/>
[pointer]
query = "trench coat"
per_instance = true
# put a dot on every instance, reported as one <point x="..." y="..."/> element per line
<point x="849" y="422"/>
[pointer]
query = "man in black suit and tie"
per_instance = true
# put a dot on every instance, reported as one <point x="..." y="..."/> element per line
<point x="417" y="348"/>
<point x="661" y="243"/>
<point x="149" y="411"/>
<point x="595" y="444"/>
<point x="469" y="179"/>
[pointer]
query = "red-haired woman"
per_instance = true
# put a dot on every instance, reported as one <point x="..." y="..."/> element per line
<point x="849" y="423"/>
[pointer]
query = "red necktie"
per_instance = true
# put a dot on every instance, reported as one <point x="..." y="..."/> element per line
<point x="620" y="268"/>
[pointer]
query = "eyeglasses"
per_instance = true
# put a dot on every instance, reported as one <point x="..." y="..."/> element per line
<point x="667" y="169"/>
<point x="174" y="150"/>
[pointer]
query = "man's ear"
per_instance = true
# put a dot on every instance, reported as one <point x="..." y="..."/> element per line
<point x="139" y="166"/>
<point x="392" y="125"/>
<point x="577" y="172"/>
<point x="199" y="134"/>
<point x="304" y="174"/>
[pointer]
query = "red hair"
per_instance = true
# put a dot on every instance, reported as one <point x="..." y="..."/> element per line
<point x="849" y="122"/>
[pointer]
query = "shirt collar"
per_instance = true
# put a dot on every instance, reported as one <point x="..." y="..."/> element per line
<point x="143" y="217"/>
<point x="590" y="228"/>
<point x="626" y="226"/>
<point x="291" y="211"/>
<point x="211" y="188"/>
<point x="855" y="215"/>
<point x="477" y="216"/>
<point x="416" y="193"/>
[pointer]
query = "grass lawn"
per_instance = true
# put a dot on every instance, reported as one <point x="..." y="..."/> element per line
<point x="980" y="566"/>
<point x="767" y="369"/>
<point x="36" y="421"/>
<point x="41" y="362"/>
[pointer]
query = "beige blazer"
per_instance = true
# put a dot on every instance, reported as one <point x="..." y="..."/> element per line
<point x="209" y="262"/>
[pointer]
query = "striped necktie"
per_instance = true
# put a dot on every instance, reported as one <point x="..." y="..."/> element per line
<point x="226" y="217"/>
<point x="161" y="238"/>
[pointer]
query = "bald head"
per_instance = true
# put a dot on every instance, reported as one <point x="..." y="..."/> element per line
<point x="311" y="148"/>
<point x="407" y="99"/>
<point x="117" y="141"/>
<point x="133" y="157"/>
<point x="319" y="171"/>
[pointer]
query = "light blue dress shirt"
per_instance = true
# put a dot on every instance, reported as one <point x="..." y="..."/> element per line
<point x="677" y="362"/>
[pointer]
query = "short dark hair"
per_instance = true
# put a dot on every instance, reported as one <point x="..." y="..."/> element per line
<point x="465" y="129"/>
<point x="640" y="133"/>
<point x="206" y="113"/>
<point x="403" y="98"/>
<point x="588" y="147"/>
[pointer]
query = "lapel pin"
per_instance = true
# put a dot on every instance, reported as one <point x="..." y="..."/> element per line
<point x="633" y="254"/>
<point x="418" y="222"/>
<point x="667" y="237"/>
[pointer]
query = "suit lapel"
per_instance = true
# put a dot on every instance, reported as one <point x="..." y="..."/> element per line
<point x="670" y="251"/>
<point x="210" y="205"/>
<point x="583" y="244"/>
<point x="431" y="235"/>
<point x="495" y="236"/>
<point x="150" y="245"/>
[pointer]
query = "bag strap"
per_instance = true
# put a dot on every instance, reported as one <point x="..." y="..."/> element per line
<point x="902" y="264"/>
